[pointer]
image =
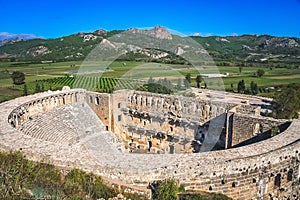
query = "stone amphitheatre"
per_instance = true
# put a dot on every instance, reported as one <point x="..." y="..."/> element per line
<point x="133" y="138"/>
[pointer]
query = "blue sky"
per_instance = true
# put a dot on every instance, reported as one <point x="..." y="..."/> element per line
<point x="55" y="18"/>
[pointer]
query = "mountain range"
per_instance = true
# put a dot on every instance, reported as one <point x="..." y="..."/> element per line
<point x="241" y="49"/>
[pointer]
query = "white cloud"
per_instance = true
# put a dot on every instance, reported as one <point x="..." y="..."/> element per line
<point x="24" y="36"/>
<point x="201" y="34"/>
<point x="211" y="34"/>
<point x="233" y="34"/>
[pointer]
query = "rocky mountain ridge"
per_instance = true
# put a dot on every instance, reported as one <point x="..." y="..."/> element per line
<point x="252" y="48"/>
<point x="10" y="40"/>
<point x="279" y="42"/>
<point x="158" y="32"/>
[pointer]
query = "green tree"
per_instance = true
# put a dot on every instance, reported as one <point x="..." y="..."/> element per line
<point x="18" y="77"/>
<point x="25" y="91"/>
<point x="275" y="131"/>
<point x="37" y="88"/>
<point x="286" y="103"/>
<point x="198" y="80"/>
<point x="186" y="84"/>
<point x="165" y="190"/>
<point x="179" y="84"/>
<point x="188" y="78"/>
<point x="166" y="83"/>
<point x="241" y="86"/>
<point x="240" y="69"/>
<point x="151" y="80"/>
<point x="254" y="88"/>
<point x="260" y="72"/>
<point x="231" y="87"/>
<point x="79" y="184"/>
<point x="155" y="88"/>
<point x="42" y="88"/>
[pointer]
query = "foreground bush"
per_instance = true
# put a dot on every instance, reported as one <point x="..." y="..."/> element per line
<point x="170" y="190"/>
<point x="21" y="178"/>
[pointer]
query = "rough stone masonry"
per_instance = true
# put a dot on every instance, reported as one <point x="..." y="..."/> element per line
<point x="133" y="138"/>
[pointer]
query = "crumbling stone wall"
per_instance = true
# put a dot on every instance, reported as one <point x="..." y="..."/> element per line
<point x="40" y="105"/>
<point x="101" y="104"/>
<point x="244" y="127"/>
<point x="164" y="123"/>
<point x="261" y="179"/>
<point x="247" y="109"/>
<point x="174" y="124"/>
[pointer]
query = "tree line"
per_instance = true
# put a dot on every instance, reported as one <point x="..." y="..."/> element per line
<point x="241" y="88"/>
<point x="286" y="102"/>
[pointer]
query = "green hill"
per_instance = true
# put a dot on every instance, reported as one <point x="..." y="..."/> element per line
<point x="240" y="49"/>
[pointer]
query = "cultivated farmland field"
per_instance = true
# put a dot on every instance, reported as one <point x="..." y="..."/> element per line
<point x="130" y="75"/>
